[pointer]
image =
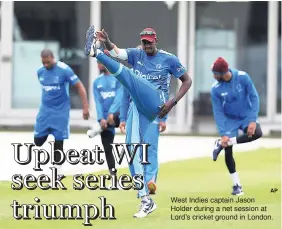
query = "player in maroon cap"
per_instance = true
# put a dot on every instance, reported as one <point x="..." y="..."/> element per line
<point x="235" y="104"/>
<point x="152" y="69"/>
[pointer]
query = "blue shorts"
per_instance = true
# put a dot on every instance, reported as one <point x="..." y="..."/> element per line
<point x="234" y="125"/>
<point x="56" y="124"/>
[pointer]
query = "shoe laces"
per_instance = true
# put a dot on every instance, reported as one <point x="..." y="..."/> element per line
<point x="142" y="206"/>
<point x="236" y="187"/>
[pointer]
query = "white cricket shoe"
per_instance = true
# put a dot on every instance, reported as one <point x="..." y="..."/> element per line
<point x="94" y="131"/>
<point x="90" y="48"/>
<point x="146" y="208"/>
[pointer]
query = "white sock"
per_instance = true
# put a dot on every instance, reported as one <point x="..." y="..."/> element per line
<point x="232" y="141"/>
<point x="235" y="179"/>
<point x="146" y="198"/>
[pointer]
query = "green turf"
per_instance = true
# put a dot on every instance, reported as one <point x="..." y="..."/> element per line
<point x="259" y="172"/>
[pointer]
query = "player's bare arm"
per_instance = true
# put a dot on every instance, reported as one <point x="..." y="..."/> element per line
<point x="102" y="36"/>
<point x="122" y="127"/>
<point x="162" y="126"/>
<point x="186" y="84"/>
<point x="111" y="120"/>
<point x="83" y="96"/>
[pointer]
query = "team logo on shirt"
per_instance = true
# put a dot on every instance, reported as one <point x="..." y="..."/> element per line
<point x="51" y="88"/>
<point x="107" y="94"/>
<point x="180" y="68"/>
<point x="158" y="66"/>
<point x="239" y="87"/>
<point x="148" y="76"/>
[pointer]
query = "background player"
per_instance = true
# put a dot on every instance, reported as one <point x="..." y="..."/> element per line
<point x="149" y="63"/>
<point x="235" y="104"/>
<point x="106" y="96"/>
<point x="144" y="110"/>
<point x="53" y="116"/>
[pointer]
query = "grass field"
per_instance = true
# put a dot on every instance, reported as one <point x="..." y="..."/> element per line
<point x="260" y="171"/>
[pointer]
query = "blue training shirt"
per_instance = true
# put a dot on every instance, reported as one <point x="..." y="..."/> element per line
<point x="55" y="87"/>
<point x="107" y="95"/>
<point x="156" y="69"/>
<point x="237" y="99"/>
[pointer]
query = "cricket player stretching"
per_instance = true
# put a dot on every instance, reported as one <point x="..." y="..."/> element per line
<point x="151" y="136"/>
<point x="148" y="38"/>
<point x="149" y="101"/>
<point x="53" y="117"/>
<point x="235" y="104"/>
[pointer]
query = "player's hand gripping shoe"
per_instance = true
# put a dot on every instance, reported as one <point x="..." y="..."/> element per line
<point x="90" y="48"/>
<point x="147" y="207"/>
<point x="216" y="150"/>
<point x="94" y="131"/>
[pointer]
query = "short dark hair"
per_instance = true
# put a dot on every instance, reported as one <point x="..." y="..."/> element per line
<point x="46" y="53"/>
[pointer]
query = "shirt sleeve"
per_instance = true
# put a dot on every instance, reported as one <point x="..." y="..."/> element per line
<point x="218" y="113"/>
<point x="132" y="54"/>
<point x="72" y="78"/>
<point x="98" y="101"/>
<point x="254" y="98"/>
<point x="176" y="68"/>
<point x="37" y="73"/>
<point x="117" y="101"/>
